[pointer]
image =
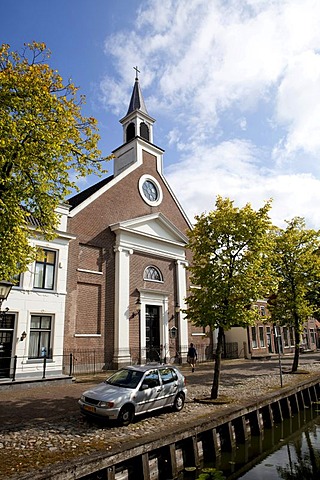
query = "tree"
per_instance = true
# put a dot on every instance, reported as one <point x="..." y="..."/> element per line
<point x="296" y="263"/>
<point x="43" y="136"/>
<point x="229" y="270"/>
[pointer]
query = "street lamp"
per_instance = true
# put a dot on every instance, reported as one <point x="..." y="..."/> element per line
<point x="138" y="304"/>
<point x="5" y="289"/>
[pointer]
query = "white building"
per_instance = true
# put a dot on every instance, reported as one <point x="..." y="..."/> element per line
<point x="32" y="331"/>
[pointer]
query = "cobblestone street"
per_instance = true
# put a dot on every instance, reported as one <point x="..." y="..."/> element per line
<point x="42" y="425"/>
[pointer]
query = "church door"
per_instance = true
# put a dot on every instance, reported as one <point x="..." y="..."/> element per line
<point x="153" y="333"/>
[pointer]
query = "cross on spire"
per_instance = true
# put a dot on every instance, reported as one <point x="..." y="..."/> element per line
<point x="137" y="71"/>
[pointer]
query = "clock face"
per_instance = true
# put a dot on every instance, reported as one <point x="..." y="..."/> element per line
<point x="150" y="191"/>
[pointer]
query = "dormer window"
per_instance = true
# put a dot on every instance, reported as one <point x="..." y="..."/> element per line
<point x="153" y="274"/>
<point x="144" y="131"/>
<point x="131" y="131"/>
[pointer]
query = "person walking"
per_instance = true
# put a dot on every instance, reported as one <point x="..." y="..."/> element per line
<point x="192" y="356"/>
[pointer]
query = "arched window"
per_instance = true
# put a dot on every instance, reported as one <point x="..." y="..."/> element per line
<point x="131" y="131"/>
<point x="144" y="131"/>
<point x="153" y="274"/>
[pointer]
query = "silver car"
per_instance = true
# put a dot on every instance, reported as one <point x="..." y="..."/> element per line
<point x="135" y="390"/>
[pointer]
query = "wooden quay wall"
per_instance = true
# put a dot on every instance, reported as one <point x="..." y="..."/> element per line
<point x="155" y="458"/>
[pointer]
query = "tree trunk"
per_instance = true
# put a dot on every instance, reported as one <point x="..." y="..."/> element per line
<point x="296" y="350"/>
<point x="217" y="365"/>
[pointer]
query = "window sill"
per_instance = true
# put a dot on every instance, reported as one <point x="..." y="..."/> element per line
<point x="95" y="272"/>
<point x="87" y="335"/>
<point x="39" y="360"/>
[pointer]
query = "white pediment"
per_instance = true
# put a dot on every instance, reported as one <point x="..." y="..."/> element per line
<point x="155" y="226"/>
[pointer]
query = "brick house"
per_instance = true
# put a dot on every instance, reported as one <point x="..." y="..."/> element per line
<point x="127" y="280"/>
<point x="264" y="339"/>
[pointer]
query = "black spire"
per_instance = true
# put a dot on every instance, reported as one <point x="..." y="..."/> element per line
<point x="136" y="101"/>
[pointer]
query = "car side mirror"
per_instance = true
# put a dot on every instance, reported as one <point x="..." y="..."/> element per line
<point x="144" y="386"/>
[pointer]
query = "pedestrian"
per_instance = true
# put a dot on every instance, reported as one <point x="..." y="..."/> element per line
<point x="192" y="356"/>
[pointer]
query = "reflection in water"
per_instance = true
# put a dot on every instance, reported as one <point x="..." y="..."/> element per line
<point x="288" y="451"/>
<point x="297" y="459"/>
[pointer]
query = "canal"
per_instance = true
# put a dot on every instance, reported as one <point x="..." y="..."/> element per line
<point x="289" y="450"/>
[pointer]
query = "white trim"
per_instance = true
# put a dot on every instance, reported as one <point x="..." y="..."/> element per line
<point x="89" y="271"/>
<point x="159" y="299"/>
<point x="132" y="223"/>
<point x="139" y="146"/>
<point x="87" y="335"/>
<point x="149" y="178"/>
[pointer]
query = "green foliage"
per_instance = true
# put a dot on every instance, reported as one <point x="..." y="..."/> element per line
<point x="211" y="474"/>
<point x="230" y="266"/>
<point x="43" y="136"/>
<point x="296" y="263"/>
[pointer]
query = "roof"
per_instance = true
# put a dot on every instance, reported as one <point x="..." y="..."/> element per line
<point x="82" y="196"/>
<point x="137" y="102"/>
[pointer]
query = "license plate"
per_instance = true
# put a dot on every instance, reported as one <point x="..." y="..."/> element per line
<point x="89" y="409"/>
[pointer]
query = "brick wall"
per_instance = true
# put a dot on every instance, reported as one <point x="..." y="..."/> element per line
<point x="90" y="300"/>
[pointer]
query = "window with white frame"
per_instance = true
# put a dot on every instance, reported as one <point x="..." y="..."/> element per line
<point x="291" y="333"/>
<point x="312" y="335"/>
<point x="153" y="274"/>
<point x="17" y="280"/>
<point x="285" y="336"/>
<point x="45" y="269"/>
<point x="261" y="336"/>
<point x="40" y="336"/>
<point x="254" y="337"/>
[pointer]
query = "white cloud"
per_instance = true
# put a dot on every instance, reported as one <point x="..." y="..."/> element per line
<point x="236" y="83"/>
<point x="230" y="170"/>
<point x="298" y="103"/>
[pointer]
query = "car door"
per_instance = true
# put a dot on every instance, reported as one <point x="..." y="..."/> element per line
<point x="170" y="385"/>
<point x="148" y="397"/>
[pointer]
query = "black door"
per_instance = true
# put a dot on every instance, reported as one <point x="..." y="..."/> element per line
<point x="6" y="339"/>
<point x="153" y="333"/>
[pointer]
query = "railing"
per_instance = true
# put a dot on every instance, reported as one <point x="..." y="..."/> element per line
<point x="85" y="362"/>
<point x="37" y="368"/>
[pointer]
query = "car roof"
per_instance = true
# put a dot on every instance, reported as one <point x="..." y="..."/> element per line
<point x="149" y="366"/>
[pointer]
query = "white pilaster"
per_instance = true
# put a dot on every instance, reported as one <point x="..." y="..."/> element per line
<point x="121" y="313"/>
<point x="181" y="299"/>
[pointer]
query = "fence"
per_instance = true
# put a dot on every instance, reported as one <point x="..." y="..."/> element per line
<point x="93" y="361"/>
<point x="85" y="362"/>
<point x="41" y="368"/>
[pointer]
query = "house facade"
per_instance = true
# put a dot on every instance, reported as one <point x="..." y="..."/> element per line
<point x="264" y="339"/>
<point x="127" y="277"/>
<point x="32" y="329"/>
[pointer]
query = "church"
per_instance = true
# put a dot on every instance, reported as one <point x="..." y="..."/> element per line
<point x="127" y="278"/>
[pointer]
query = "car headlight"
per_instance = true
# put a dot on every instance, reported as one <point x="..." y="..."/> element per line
<point x="106" y="404"/>
<point x="82" y="398"/>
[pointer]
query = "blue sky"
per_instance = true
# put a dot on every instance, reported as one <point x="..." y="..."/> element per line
<point x="234" y="86"/>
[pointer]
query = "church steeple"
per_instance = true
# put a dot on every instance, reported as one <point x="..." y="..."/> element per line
<point x="137" y="122"/>
<point x="137" y="102"/>
<point x="137" y="135"/>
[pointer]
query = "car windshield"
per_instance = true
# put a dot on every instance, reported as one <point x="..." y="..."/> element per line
<point x="125" y="378"/>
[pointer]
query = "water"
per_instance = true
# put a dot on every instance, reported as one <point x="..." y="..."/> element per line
<point x="288" y="451"/>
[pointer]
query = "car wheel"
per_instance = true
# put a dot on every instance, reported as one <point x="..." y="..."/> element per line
<point x="126" y="415"/>
<point x="178" y="402"/>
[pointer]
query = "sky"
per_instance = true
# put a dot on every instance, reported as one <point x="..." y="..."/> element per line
<point x="234" y="86"/>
